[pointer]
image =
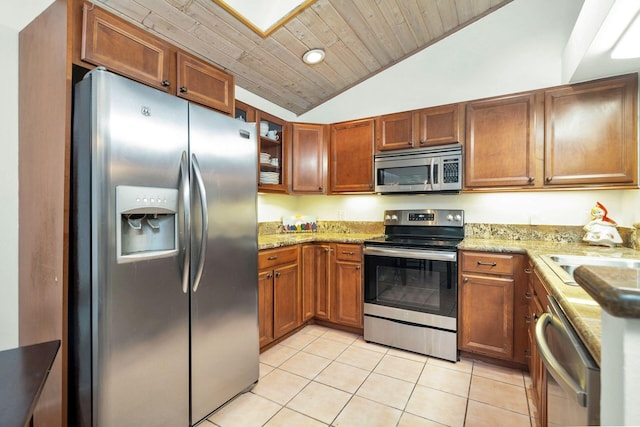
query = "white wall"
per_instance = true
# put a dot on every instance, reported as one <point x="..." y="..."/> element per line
<point x="9" y="189"/>
<point x="518" y="47"/>
<point x="12" y="20"/>
<point x="542" y="208"/>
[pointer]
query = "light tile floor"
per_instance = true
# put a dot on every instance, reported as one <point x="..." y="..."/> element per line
<point x="323" y="377"/>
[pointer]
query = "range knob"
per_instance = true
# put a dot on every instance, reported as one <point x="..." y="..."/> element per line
<point x="449" y="217"/>
<point x="458" y="217"/>
<point x="387" y="217"/>
<point x="394" y="217"/>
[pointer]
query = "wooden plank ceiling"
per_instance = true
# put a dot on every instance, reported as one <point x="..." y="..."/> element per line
<point x="360" y="37"/>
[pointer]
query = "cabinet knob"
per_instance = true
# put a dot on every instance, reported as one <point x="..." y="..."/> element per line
<point x="527" y="319"/>
<point x="273" y="257"/>
<point x="166" y="83"/>
<point x="465" y="279"/>
<point x="183" y="89"/>
<point x="549" y="178"/>
<point x="269" y="275"/>
<point x="527" y="270"/>
<point x="410" y="143"/>
<point x="358" y="267"/>
<point x="277" y="274"/>
<point x="528" y="295"/>
<point x="348" y="253"/>
<point x="320" y="188"/>
<point x="422" y="142"/>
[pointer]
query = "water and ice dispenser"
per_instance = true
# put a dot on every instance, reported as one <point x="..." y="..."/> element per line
<point x="146" y="223"/>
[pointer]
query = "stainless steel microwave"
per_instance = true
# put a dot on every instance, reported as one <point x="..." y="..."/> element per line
<point x="421" y="170"/>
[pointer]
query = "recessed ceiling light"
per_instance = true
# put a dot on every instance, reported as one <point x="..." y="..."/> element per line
<point x="313" y="56"/>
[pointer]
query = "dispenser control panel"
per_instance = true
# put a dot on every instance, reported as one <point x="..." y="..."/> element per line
<point x="146" y="223"/>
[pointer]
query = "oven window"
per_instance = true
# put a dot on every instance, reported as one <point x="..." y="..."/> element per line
<point x="413" y="284"/>
<point x="410" y="175"/>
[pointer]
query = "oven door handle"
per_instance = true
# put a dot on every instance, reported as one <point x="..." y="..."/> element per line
<point x="411" y="253"/>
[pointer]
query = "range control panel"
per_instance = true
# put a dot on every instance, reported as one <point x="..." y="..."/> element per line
<point x="425" y="217"/>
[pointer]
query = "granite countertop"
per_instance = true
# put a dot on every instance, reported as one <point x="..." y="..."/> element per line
<point x="269" y="241"/>
<point x="582" y="310"/>
<point x="616" y="289"/>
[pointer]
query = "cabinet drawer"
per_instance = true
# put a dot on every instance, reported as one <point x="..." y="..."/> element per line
<point x="272" y="257"/>
<point x="539" y="289"/>
<point x="481" y="262"/>
<point x="346" y="252"/>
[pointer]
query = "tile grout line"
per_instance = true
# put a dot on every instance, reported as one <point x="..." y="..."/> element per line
<point x="353" y="345"/>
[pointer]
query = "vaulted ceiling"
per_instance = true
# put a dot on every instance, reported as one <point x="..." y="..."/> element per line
<point x="360" y="37"/>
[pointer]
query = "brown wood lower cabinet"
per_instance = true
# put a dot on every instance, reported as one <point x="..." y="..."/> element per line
<point x="278" y="296"/>
<point x="347" y="299"/>
<point x="493" y="305"/>
<point x="333" y="273"/>
<point x="537" y="297"/>
<point x="316" y="273"/>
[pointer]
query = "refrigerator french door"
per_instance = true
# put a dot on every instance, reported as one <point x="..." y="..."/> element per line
<point x="163" y="256"/>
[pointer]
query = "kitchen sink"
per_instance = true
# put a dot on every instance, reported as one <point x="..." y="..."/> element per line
<point x="564" y="265"/>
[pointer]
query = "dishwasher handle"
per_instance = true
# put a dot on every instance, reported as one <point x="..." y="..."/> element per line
<point x="552" y="364"/>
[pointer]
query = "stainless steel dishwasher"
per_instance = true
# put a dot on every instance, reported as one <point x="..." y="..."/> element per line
<point x="573" y="377"/>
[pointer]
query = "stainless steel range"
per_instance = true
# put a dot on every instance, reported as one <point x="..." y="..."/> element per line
<point x="411" y="282"/>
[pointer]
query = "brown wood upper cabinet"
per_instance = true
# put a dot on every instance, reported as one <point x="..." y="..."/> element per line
<point x="566" y="137"/>
<point x="309" y="158"/>
<point x="122" y="47"/>
<point x="591" y="134"/>
<point x="421" y="128"/>
<point x="126" y="49"/>
<point x="501" y="142"/>
<point x="205" y="84"/>
<point x="277" y="149"/>
<point x="440" y="125"/>
<point x="351" y="156"/>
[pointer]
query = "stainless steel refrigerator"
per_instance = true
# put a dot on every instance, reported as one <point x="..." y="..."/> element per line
<point x="163" y="257"/>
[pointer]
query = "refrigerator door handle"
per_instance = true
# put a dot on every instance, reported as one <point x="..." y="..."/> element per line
<point x="186" y="202"/>
<point x="205" y="221"/>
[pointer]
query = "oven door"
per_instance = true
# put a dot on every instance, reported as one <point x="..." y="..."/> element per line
<point x="420" y="284"/>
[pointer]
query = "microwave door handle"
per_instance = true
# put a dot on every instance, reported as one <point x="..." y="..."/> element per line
<point x="437" y="177"/>
<point x="431" y="174"/>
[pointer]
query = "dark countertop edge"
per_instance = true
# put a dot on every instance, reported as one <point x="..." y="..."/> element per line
<point x="607" y="286"/>
<point x="24" y="371"/>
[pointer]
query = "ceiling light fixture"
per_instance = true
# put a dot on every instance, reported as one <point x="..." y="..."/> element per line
<point x="313" y="56"/>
